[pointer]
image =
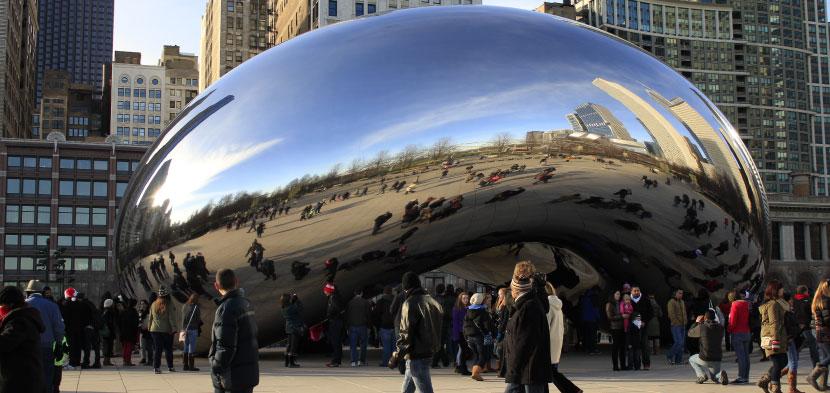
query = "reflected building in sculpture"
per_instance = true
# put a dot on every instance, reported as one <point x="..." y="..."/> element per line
<point x="293" y="199"/>
<point x="597" y="119"/>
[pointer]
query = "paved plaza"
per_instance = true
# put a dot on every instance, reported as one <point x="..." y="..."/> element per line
<point x="591" y="373"/>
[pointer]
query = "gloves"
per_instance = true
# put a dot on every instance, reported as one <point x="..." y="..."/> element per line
<point x="393" y="361"/>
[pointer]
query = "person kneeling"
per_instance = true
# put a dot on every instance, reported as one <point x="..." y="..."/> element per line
<point x="706" y="364"/>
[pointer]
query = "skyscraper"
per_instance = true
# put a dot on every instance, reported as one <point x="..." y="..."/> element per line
<point x="76" y="36"/>
<point x="17" y="60"/>
<point x="764" y="64"/>
<point x="597" y="119"/>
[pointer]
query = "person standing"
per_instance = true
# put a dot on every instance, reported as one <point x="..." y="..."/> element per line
<point x="590" y="318"/>
<point x="163" y="328"/>
<point x="741" y="339"/>
<point x="676" y="310"/>
<point x="477" y="325"/>
<point x="334" y="315"/>
<point x="804" y="317"/>
<point x="146" y="336"/>
<point x="191" y="321"/>
<point x="53" y="331"/>
<point x="447" y="301"/>
<point x="459" y="312"/>
<point x="527" y="339"/>
<point x="615" y="320"/>
<point x="420" y="333"/>
<point x="642" y="306"/>
<point x="21" y="329"/>
<point x="386" y="324"/>
<point x="108" y="330"/>
<point x="358" y="313"/>
<point x="773" y="337"/>
<point x="128" y="328"/>
<point x="92" y="322"/>
<point x="234" y="351"/>
<point x="821" y="315"/>
<point x="653" y="325"/>
<point x="707" y="362"/>
<point x="74" y="330"/>
<point x="294" y="326"/>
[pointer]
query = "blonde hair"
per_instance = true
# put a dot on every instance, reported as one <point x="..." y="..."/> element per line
<point x="550" y="289"/>
<point x="524" y="270"/>
<point x="504" y="298"/>
<point x="823" y="290"/>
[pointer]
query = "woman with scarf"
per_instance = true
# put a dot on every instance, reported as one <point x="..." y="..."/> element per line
<point x="477" y="326"/>
<point x="527" y="338"/>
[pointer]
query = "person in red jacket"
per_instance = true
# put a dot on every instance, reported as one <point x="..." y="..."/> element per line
<point x="740" y="334"/>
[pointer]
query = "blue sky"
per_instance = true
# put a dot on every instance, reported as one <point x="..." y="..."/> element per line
<point x="146" y="25"/>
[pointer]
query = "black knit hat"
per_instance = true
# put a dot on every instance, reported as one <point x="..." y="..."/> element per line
<point x="410" y="281"/>
<point x="12" y="296"/>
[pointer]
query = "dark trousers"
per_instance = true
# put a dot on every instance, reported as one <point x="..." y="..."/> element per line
<point x="443" y="354"/>
<point x="646" y="353"/>
<point x="92" y="345"/>
<point x="243" y="390"/>
<point x="162" y="342"/>
<point x="336" y="340"/>
<point x="47" y="358"/>
<point x="589" y="336"/>
<point x="76" y="346"/>
<point x="779" y="361"/>
<point x="293" y="344"/>
<point x="127" y="351"/>
<point x="108" y="344"/>
<point x="57" y="377"/>
<point x="618" y="357"/>
<point x="477" y="349"/>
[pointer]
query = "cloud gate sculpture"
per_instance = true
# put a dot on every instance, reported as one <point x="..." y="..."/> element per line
<point x="459" y="138"/>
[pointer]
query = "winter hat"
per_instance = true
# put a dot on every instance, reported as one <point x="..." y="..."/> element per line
<point x="4" y="310"/>
<point x="477" y="298"/>
<point x="107" y="303"/>
<point x="329" y="288"/>
<point x="163" y="291"/>
<point x="12" y="296"/>
<point x="626" y="287"/>
<point x="410" y="281"/>
<point x="69" y="293"/>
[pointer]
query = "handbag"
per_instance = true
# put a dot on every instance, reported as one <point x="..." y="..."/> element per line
<point x="770" y="344"/>
<point x="183" y="333"/>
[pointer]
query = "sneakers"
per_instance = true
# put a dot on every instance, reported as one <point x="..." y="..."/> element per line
<point x="354" y="364"/>
<point x="702" y="379"/>
<point x="332" y="365"/>
<point x="739" y="381"/>
<point x="171" y="369"/>
<point x="360" y="364"/>
<point x="724" y="379"/>
<point x="157" y="371"/>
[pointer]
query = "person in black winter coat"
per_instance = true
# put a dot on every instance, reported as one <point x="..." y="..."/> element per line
<point x="128" y="328"/>
<point x="642" y="306"/>
<point x="21" y="368"/>
<point x="634" y="341"/>
<point x="109" y="330"/>
<point x="334" y="315"/>
<point x="477" y="325"/>
<point x="527" y="339"/>
<point x="234" y="351"/>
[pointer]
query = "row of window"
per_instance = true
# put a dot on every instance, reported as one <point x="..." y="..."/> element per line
<point x="127" y="92"/>
<point x="28" y="162"/>
<point x="84" y="164"/>
<point x="187" y="81"/>
<point x="78" y="121"/>
<point x="139" y="131"/>
<point x="139" y="80"/>
<point x="140" y="106"/>
<point x="125" y="118"/>
<point x="11" y="264"/>
<point x="34" y="240"/>
<point x="81" y="188"/>
<point x="78" y="132"/>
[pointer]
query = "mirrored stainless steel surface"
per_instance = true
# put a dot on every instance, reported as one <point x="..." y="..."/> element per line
<point x="461" y="138"/>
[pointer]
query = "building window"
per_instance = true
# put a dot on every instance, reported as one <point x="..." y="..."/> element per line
<point x="81" y="241"/>
<point x="82" y="188"/>
<point x="100" y="165"/>
<point x="332" y="7"/>
<point x="29" y="186"/>
<point x="45" y="162"/>
<point x="120" y="189"/>
<point x="27" y="214"/>
<point x="83" y="164"/>
<point x="122" y="166"/>
<point x="10" y="263"/>
<point x="65" y="215"/>
<point x="44" y="214"/>
<point x="42" y="240"/>
<point x="140" y="93"/>
<point x="371" y="8"/>
<point x="139" y="81"/>
<point x="44" y="187"/>
<point x="11" y="240"/>
<point x="125" y="79"/>
<point x="27" y="240"/>
<point x="27" y="263"/>
<point x="30" y="162"/>
<point x="99" y="241"/>
<point x="81" y="216"/>
<point x="358" y="9"/>
<point x="13" y="186"/>
<point x="80" y="264"/>
<point x="67" y="163"/>
<point x="99" y="216"/>
<point x="12" y="214"/>
<point x="64" y="241"/>
<point x="99" y="264"/>
<point x="66" y="188"/>
<point x="155" y="81"/>
<point x="13" y="161"/>
<point x="99" y="189"/>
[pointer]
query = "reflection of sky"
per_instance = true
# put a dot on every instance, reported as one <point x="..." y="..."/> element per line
<point x="355" y="88"/>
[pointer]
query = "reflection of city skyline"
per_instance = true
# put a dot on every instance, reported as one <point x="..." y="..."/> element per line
<point x="597" y="119"/>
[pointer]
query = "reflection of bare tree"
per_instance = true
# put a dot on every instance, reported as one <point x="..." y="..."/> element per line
<point x="441" y="148"/>
<point x="377" y="164"/>
<point x="406" y="157"/>
<point x="501" y="141"/>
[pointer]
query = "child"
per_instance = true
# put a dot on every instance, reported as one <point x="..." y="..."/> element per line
<point x="633" y="338"/>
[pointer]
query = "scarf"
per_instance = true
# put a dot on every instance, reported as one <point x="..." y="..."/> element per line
<point x="636" y="299"/>
<point x="475" y="306"/>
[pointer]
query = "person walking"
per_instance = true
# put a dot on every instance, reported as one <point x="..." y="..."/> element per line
<point x="773" y="337"/>
<point x="804" y="317"/>
<point x="292" y="309"/>
<point x="234" y="351"/>
<point x="556" y="326"/>
<point x="793" y="341"/>
<point x="21" y="329"/>
<point x="707" y="362"/>
<point x="146" y="336"/>
<point x="821" y="315"/>
<point x="109" y="330"/>
<point x="459" y="312"/>
<point x="642" y="306"/>
<point x="358" y="313"/>
<point x="477" y="326"/>
<point x="334" y="315"/>
<point x="527" y="338"/>
<point x="128" y="330"/>
<point x="615" y="324"/>
<point x="386" y="324"/>
<point x="741" y="339"/>
<point x="191" y="321"/>
<point x="420" y="333"/>
<point x="676" y="310"/>
<point x="163" y="327"/>
<point x="53" y="331"/>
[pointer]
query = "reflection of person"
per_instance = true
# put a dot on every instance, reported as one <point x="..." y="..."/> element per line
<point x="294" y="327"/>
<point x="334" y="315"/>
<point x="379" y="221"/>
<point x="234" y="357"/>
<point x="358" y="314"/>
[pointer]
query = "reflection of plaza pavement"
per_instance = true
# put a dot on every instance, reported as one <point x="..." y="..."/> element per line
<point x="592" y="374"/>
<point x="343" y="230"/>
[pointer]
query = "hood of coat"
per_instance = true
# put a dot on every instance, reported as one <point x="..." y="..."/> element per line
<point x="555" y="302"/>
<point x="26" y="312"/>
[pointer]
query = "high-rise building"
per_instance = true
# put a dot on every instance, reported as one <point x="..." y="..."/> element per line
<point x="18" y="40"/>
<point x="597" y="119"/>
<point x="68" y="108"/>
<point x="181" y="73"/>
<point x="764" y="64"/>
<point x="232" y="32"/>
<point x="76" y="36"/>
<point x="136" y="102"/>
<point x="564" y="9"/>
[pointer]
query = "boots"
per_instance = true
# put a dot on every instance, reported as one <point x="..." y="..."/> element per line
<point x="763" y="383"/>
<point x="476" y="374"/>
<point x="185" y="362"/>
<point x="292" y="361"/>
<point x="462" y="369"/>
<point x="773" y="388"/>
<point x="813" y="378"/>
<point x="287" y="360"/>
<point x="792" y="380"/>
<point x="191" y="359"/>
<point x="784" y="371"/>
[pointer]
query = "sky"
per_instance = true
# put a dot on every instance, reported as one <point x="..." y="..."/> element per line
<point x="145" y="26"/>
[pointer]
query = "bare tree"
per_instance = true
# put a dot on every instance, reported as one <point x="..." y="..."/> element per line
<point x="355" y="167"/>
<point x="406" y="157"/>
<point x="501" y="141"/>
<point x="333" y="172"/>
<point x="441" y="148"/>
<point x="379" y="161"/>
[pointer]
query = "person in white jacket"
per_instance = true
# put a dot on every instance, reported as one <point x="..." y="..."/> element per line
<point x="556" y="324"/>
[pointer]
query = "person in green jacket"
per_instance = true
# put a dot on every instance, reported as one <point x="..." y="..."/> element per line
<point x="773" y="337"/>
<point x="163" y="326"/>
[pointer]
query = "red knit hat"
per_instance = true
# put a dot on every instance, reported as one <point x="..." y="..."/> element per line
<point x="329" y="288"/>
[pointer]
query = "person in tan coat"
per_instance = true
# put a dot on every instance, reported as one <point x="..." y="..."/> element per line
<point x="676" y="310"/>
<point x="773" y="337"/>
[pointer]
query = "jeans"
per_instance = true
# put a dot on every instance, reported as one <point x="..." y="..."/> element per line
<point x="678" y="335"/>
<point x="190" y="340"/>
<point x="162" y="342"/>
<point x="147" y="347"/>
<point x="417" y="376"/>
<point x="47" y="356"/>
<point x="779" y="361"/>
<point x="336" y="340"/>
<point x="824" y="350"/>
<point x="810" y="342"/>
<point x="792" y="356"/>
<point x="518" y="388"/>
<point x="741" y="343"/>
<point x="477" y="348"/>
<point x="387" y="341"/>
<point x="358" y="335"/>
<point x="704" y="368"/>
